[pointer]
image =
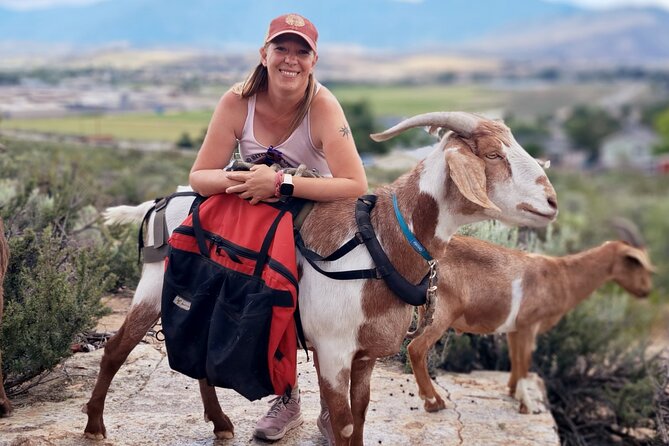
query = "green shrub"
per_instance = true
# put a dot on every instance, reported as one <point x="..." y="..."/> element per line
<point x="52" y="293"/>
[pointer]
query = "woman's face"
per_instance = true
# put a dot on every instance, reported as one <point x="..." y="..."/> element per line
<point x="289" y="61"/>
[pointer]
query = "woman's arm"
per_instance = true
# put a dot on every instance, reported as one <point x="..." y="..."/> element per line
<point x="329" y="130"/>
<point x="207" y="176"/>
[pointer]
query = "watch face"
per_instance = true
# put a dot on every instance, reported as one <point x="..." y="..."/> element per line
<point x="286" y="189"/>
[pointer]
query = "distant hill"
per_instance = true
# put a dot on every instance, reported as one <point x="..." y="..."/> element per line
<point x="528" y="30"/>
<point x="634" y="36"/>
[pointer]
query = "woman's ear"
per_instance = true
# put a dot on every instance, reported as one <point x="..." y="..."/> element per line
<point x="263" y="56"/>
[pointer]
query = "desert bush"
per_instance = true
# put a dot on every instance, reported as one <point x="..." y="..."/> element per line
<point x="57" y="270"/>
<point x="52" y="293"/>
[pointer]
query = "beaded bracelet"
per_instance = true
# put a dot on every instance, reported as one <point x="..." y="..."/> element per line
<point x="278" y="179"/>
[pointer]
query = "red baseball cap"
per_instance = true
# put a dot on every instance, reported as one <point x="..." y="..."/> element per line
<point x="293" y="24"/>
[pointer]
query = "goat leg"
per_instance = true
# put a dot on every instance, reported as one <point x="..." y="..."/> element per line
<point x="223" y="428"/>
<point x="335" y="396"/>
<point x="138" y="321"/>
<point x="5" y="405"/>
<point x="361" y="374"/>
<point x="418" y="350"/>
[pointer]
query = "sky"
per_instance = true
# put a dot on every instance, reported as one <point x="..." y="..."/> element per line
<point x="43" y="4"/>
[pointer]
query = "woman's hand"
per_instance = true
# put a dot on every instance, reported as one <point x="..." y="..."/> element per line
<point x="258" y="184"/>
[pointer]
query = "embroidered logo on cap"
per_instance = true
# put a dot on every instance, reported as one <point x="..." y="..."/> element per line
<point x="294" y="20"/>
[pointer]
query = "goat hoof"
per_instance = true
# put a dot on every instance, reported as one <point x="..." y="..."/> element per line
<point x="93" y="436"/>
<point x="5" y="410"/>
<point x="434" y="404"/>
<point x="224" y="435"/>
<point x="523" y="409"/>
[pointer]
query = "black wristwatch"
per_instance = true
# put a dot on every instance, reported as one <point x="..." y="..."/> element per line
<point x="286" y="187"/>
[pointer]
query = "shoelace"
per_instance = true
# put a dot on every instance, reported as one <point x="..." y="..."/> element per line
<point x="278" y="406"/>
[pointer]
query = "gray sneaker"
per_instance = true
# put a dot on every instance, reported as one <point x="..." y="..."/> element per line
<point x="283" y="416"/>
<point x="325" y="426"/>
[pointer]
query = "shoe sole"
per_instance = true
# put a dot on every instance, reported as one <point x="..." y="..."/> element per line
<point x="324" y="432"/>
<point x="279" y="435"/>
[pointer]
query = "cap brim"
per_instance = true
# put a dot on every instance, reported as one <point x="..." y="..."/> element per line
<point x="307" y="39"/>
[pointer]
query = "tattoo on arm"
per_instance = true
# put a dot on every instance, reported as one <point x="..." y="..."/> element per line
<point x="345" y="131"/>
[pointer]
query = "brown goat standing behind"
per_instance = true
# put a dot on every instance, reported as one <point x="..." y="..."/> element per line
<point x="5" y="405"/>
<point x="485" y="288"/>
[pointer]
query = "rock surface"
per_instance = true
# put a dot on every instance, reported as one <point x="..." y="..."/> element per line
<point x="149" y="404"/>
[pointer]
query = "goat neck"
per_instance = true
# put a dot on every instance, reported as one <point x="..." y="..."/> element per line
<point x="586" y="271"/>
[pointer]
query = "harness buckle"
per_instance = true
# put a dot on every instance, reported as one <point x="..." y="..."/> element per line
<point x="161" y="203"/>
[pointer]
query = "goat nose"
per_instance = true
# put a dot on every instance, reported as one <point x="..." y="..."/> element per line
<point x="552" y="202"/>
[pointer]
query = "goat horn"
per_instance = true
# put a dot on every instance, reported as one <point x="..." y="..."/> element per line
<point x="628" y="231"/>
<point x="462" y="123"/>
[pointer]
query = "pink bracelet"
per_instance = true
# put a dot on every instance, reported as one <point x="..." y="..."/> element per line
<point x="278" y="179"/>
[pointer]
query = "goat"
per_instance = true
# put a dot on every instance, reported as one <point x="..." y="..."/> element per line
<point x="477" y="171"/>
<point x="5" y="405"/>
<point x="485" y="288"/>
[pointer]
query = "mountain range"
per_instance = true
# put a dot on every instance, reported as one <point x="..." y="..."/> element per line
<point x="525" y="29"/>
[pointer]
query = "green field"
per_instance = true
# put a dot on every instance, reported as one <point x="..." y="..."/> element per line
<point x="412" y="100"/>
<point x="153" y="127"/>
<point x="393" y="101"/>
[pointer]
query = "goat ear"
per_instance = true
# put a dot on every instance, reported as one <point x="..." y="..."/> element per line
<point x="640" y="255"/>
<point x="468" y="173"/>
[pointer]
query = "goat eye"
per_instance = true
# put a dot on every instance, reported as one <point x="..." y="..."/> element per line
<point x="632" y="261"/>
<point x="493" y="156"/>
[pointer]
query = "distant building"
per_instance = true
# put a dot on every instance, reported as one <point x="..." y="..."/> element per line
<point x="631" y="147"/>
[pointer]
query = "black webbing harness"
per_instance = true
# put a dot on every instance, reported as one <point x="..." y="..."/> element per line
<point x="412" y="294"/>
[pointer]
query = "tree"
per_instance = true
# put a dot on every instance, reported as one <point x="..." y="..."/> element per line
<point x="661" y="126"/>
<point x="530" y="135"/>
<point x="587" y="127"/>
<point x="185" y="141"/>
<point x="361" y="120"/>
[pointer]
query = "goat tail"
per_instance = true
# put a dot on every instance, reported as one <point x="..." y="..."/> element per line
<point x="120" y="215"/>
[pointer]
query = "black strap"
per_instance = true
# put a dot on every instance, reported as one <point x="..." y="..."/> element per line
<point x="312" y="257"/>
<point x="263" y="255"/>
<point x="300" y="329"/>
<point x="199" y="232"/>
<point x="405" y="290"/>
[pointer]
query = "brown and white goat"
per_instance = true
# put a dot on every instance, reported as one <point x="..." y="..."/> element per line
<point x="485" y="288"/>
<point x="5" y="405"/>
<point x="476" y="172"/>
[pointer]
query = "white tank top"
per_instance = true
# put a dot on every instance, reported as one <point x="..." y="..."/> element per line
<point x="297" y="149"/>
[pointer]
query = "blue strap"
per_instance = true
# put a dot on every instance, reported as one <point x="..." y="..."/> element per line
<point x="411" y="238"/>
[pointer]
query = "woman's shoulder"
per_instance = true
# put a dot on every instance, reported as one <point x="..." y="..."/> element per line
<point x="233" y="98"/>
<point x="325" y="103"/>
<point x="231" y="111"/>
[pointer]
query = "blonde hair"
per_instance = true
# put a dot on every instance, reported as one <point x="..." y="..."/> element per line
<point x="257" y="82"/>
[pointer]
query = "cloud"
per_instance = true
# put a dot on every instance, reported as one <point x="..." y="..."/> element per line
<point x="27" y="5"/>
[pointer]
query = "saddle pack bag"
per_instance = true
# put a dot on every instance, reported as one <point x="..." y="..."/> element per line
<point x="230" y="294"/>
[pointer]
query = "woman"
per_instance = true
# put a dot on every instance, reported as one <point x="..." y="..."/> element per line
<point x="281" y="114"/>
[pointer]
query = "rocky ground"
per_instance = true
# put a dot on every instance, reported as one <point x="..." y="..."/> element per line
<point x="149" y="404"/>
